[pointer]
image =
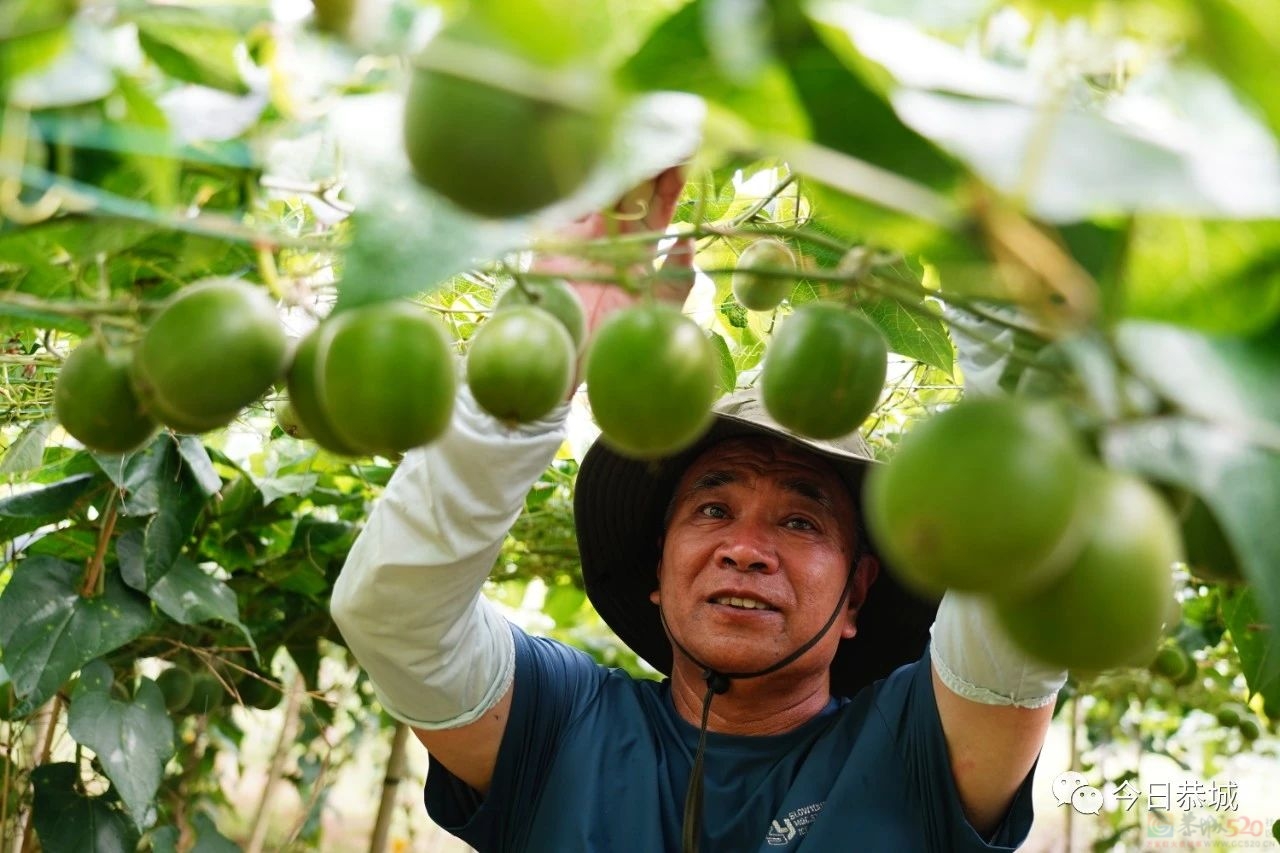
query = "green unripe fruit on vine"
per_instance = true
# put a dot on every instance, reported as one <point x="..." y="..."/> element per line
<point x="984" y="497"/>
<point x="651" y="380"/>
<point x="1249" y="728"/>
<point x="214" y="348"/>
<point x="207" y="694"/>
<point x="494" y="151"/>
<point x="521" y="364"/>
<point x="554" y="296"/>
<point x="304" y="399"/>
<point x="756" y="282"/>
<point x="1172" y="662"/>
<point x="95" y="402"/>
<point x="823" y="371"/>
<point x="1230" y="714"/>
<point x="257" y="692"/>
<point x="1108" y="607"/>
<point x="288" y="421"/>
<point x="177" y="686"/>
<point x="386" y="377"/>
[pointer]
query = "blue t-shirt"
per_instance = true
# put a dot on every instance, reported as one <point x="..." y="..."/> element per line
<point x="594" y="760"/>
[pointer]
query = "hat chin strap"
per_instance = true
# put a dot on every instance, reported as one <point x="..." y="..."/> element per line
<point x="719" y="682"/>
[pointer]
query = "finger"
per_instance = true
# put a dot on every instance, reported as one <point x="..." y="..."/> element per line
<point x="667" y="187"/>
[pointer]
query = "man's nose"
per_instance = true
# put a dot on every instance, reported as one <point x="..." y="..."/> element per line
<point x="747" y="548"/>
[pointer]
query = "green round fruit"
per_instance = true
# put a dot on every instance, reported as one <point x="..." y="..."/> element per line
<point x="95" y="402"/>
<point x="288" y="421"/>
<point x="984" y="497"/>
<point x="304" y="398"/>
<point x="1108" y="608"/>
<point x="386" y="377"/>
<point x="495" y="152"/>
<point x="256" y="691"/>
<point x="823" y="371"/>
<point x="207" y="694"/>
<point x="753" y="286"/>
<point x="1249" y="728"/>
<point x="521" y="364"/>
<point x="213" y="349"/>
<point x="177" y="685"/>
<point x="1172" y="662"/>
<point x="1209" y="554"/>
<point x="1230" y="714"/>
<point x="554" y="296"/>
<point x="651" y="380"/>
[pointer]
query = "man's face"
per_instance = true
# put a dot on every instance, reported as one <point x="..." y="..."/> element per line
<point x="756" y="554"/>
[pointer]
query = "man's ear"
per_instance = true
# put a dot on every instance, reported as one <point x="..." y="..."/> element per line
<point x="864" y="575"/>
<point x="656" y="596"/>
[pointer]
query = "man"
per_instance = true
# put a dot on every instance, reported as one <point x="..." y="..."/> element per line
<point x="802" y="710"/>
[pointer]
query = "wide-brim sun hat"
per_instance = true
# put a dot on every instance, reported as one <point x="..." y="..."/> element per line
<point x="619" y="506"/>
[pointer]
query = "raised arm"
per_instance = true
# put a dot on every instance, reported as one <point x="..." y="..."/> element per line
<point x="408" y="599"/>
<point x="995" y="705"/>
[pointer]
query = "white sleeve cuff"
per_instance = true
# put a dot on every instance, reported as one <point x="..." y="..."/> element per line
<point x="975" y="658"/>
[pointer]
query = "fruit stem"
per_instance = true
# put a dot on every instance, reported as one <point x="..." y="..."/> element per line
<point x="92" y="583"/>
<point x="750" y="213"/>
<point x="270" y="274"/>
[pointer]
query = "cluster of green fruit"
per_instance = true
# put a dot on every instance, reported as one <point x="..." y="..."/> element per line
<point x="211" y="349"/>
<point x="994" y="497"/>
<point x="203" y="692"/>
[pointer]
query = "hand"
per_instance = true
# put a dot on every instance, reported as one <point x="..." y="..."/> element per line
<point x="648" y="207"/>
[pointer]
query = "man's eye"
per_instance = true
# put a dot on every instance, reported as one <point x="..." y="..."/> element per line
<point x="800" y="524"/>
<point x="712" y="511"/>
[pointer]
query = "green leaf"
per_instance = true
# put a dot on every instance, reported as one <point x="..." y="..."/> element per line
<point x="209" y="839"/>
<point x="1225" y="380"/>
<point x="851" y="114"/>
<point x="67" y="821"/>
<point x="27" y="450"/>
<point x="563" y="602"/>
<point x="274" y="488"/>
<point x="48" y="631"/>
<point x="27" y="511"/>
<point x="181" y="589"/>
<point x="677" y="57"/>
<point x="914" y="332"/>
<point x="1241" y="38"/>
<point x="137" y="475"/>
<point x="133" y="740"/>
<point x="198" y="464"/>
<point x="1239" y="482"/>
<point x="1249" y="631"/>
<point x="192" y="48"/>
<point x="728" y="374"/>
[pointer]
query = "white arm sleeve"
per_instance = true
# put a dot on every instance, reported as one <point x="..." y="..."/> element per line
<point x="408" y="599"/>
<point x="976" y="659"/>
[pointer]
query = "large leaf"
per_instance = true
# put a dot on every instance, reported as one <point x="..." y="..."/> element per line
<point x="683" y="55"/>
<point x="133" y="740"/>
<point x="1233" y="381"/>
<point x="914" y="331"/>
<point x="192" y="48"/>
<point x="27" y="450"/>
<point x="182" y="590"/>
<point x="27" y="511"/>
<point x="1180" y="143"/>
<point x="67" y="821"/>
<point x="1250" y="632"/>
<point x="1239" y="482"/>
<point x="137" y="475"/>
<point x="48" y="631"/>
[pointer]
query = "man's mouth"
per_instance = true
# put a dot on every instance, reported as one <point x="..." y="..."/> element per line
<point x="741" y="603"/>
